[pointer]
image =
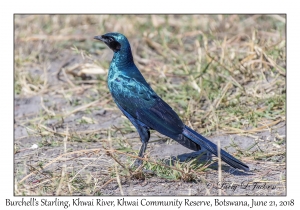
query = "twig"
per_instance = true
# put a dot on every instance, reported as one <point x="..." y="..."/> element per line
<point x="64" y="167"/>
<point x="45" y="108"/>
<point x="255" y="130"/>
<point x="57" y="158"/>
<point x="119" y="180"/>
<point x="84" y="168"/>
<point x="219" y="168"/>
<point x="106" y="183"/>
<point x="67" y="78"/>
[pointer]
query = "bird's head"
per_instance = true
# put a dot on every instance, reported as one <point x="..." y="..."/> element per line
<point x="114" y="41"/>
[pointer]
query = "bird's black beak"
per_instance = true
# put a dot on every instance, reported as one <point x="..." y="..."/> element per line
<point x="99" y="38"/>
<point x="110" y="42"/>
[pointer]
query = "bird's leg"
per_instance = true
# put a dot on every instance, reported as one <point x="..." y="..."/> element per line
<point x="144" y="132"/>
<point x="138" y="162"/>
<point x="145" y="136"/>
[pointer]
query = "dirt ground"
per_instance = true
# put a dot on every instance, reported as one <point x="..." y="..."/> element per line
<point x="263" y="178"/>
<point x="66" y="127"/>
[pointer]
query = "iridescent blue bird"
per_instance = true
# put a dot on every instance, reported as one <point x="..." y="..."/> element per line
<point x="144" y="108"/>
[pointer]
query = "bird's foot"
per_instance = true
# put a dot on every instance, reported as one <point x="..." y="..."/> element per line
<point x="138" y="164"/>
<point x="208" y="156"/>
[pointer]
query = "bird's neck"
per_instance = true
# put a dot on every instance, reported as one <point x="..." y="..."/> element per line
<point x="123" y="57"/>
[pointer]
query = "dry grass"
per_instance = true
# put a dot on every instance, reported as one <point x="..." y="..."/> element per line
<point x="223" y="74"/>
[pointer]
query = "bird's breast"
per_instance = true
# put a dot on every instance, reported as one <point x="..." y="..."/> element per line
<point x="119" y="85"/>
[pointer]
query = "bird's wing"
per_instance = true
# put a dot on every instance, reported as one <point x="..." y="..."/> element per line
<point x="141" y="102"/>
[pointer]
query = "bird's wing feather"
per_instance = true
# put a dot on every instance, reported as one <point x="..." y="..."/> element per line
<point x="141" y="102"/>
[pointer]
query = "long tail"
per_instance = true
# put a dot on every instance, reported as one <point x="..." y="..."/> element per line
<point x="211" y="147"/>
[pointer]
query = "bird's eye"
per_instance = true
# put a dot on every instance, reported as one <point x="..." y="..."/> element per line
<point x="111" y="39"/>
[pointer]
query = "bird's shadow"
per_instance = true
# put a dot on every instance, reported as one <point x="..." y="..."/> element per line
<point x="203" y="157"/>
